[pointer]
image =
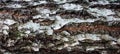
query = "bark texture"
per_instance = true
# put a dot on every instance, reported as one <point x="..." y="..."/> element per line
<point x="60" y="26"/>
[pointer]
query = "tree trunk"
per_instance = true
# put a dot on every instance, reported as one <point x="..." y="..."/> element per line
<point x="60" y="26"/>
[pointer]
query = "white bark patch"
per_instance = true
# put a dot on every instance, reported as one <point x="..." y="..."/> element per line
<point x="65" y="33"/>
<point x="118" y="41"/>
<point x="111" y="18"/>
<point x="38" y="3"/>
<point x="60" y="1"/>
<point x="65" y="39"/>
<point x="15" y="6"/>
<point x="100" y="2"/>
<point x="5" y="32"/>
<point x="100" y="12"/>
<point x="37" y="16"/>
<point x="74" y="44"/>
<point x="72" y="7"/>
<point x="5" y="27"/>
<point x="44" y="11"/>
<point x="30" y="25"/>
<point x="113" y="43"/>
<point x="93" y="37"/>
<point x="47" y="10"/>
<point x="49" y="31"/>
<point x="9" y="22"/>
<point x="107" y="37"/>
<point x="35" y="47"/>
<point x="91" y="48"/>
<point x="27" y="32"/>
<point x="61" y="22"/>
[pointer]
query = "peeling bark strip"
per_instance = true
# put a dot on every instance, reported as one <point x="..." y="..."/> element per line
<point x="59" y="26"/>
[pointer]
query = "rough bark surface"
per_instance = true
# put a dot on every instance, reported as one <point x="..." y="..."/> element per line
<point x="60" y="26"/>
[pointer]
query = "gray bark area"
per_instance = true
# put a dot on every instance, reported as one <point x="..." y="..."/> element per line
<point x="60" y="26"/>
